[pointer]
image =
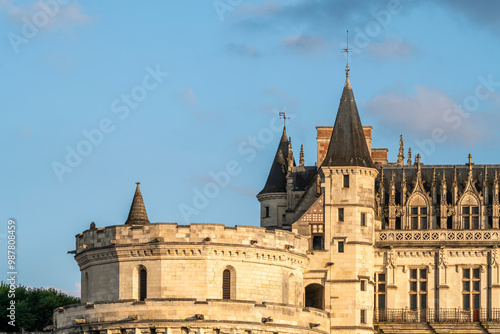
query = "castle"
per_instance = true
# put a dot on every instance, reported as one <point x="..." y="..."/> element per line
<point x="355" y="244"/>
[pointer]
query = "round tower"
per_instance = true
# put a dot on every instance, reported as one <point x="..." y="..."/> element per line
<point x="348" y="182"/>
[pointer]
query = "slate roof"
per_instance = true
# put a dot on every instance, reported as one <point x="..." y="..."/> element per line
<point x="276" y="180"/>
<point x="137" y="214"/>
<point x="348" y="144"/>
<point x="427" y="172"/>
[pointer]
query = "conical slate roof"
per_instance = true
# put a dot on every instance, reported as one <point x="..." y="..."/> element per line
<point x="348" y="144"/>
<point x="276" y="180"/>
<point x="137" y="214"/>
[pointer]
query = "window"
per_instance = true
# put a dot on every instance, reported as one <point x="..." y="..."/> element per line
<point x="341" y="214"/>
<point x="363" y="285"/>
<point x="363" y="219"/>
<point x="340" y="246"/>
<point x="266" y="209"/>
<point x="363" y="316"/>
<point x="314" y="296"/>
<point x="346" y="181"/>
<point x="398" y="223"/>
<point x="318" y="242"/>
<point x="471" y="289"/>
<point x="470" y="217"/>
<point x="418" y="217"/>
<point x="418" y="289"/>
<point x="380" y="291"/>
<point x="143" y="284"/>
<point x="226" y="284"/>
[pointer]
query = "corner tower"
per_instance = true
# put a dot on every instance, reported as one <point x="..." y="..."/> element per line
<point x="348" y="183"/>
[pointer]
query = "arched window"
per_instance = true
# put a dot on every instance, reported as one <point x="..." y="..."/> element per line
<point x="229" y="283"/>
<point x="86" y="291"/>
<point x="315" y="296"/>
<point x="292" y="290"/>
<point x="143" y="283"/>
<point x="226" y="284"/>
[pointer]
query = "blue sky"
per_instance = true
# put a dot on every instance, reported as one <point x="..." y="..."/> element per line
<point x="172" y="93"/>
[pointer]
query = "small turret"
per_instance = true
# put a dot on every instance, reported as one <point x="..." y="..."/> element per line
<point x="137" y="214"/>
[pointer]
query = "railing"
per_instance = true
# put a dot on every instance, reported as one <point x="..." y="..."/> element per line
<point x="454" y="315"/>
<point x="433" y="236"/>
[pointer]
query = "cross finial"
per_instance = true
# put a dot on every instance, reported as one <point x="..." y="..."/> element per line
<point x="283" y="115"/>
<point x="347" y="50"/>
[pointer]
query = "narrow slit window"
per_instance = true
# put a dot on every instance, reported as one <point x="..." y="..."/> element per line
<point x="341" y="214"/>
<point x="363" y="219"/>
<point x="340" y="246"/>
<point x="346" y="181"/>
<point x="143" y="284"/>
<point x="226" y="284"/>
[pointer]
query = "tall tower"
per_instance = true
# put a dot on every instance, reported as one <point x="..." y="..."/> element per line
<point x="348" y="181"/>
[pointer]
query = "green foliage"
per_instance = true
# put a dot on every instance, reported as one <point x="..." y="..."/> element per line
<point x="34" y="307"/>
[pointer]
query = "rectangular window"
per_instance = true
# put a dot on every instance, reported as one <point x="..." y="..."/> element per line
<point x="266" y="212"/>
<point x="341" y="214"/>
<point x="340" y="246"/>
<point x="418" y="289"/>
<point x="363" y="316"/>
<point x="346" y="181"/>
<point x="363" y="219"/>
<point x="470" y="217"/>
<point x="379" y="290"/>
<point x="363" y="285"/>
<point x="471" y="288"/>
<point x="418" y="218"/>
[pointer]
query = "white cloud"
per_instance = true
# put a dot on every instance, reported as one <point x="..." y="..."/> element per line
<point x="392" y="47"/>
<point x="60" y="17"/>
<point x="187" y="97"/>
<point x="428" y="110"/>
<point x="244" y="50"/>
<point x="303" y="43"/>
<point x="75" y="293"/>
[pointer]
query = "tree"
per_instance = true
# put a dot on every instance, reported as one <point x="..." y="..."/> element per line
<point x="33" y="307"/>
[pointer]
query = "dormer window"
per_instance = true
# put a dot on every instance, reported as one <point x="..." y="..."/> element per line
<point x="470" y="217"/>
<point x="418" y="217"/>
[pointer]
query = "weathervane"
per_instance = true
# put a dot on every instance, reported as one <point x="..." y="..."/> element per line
<point x="347" y="50"/>
<point x="283" y="115"/>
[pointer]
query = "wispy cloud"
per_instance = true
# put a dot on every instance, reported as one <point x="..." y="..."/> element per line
<point x="187" y="97"/>
<point x="485" y="13"/>
<point x="75" y="293"/>
<point x="392" y="47"/>
<point x="59" y="17"/>
<point x="303" y="43"/>
<point x="244" y="50"/>
<point x="426" y="109"/>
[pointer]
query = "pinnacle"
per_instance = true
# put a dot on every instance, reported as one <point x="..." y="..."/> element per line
<point x="137" y="214"/>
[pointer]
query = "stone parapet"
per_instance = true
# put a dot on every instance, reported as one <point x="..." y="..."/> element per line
<point x="172" y="315"/>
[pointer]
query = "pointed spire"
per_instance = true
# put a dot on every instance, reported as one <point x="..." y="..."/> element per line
<point x="301" y="161"/>
<point x="401" y="154"/>
<point x="137" y="214"/>
<point x="443" y="189"/>
<point x="409" y="157"/>
<point x="276" y="180"/>
<point x="348" y="144"/>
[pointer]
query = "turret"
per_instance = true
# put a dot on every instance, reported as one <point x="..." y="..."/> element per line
<point x="273" y="197"/>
